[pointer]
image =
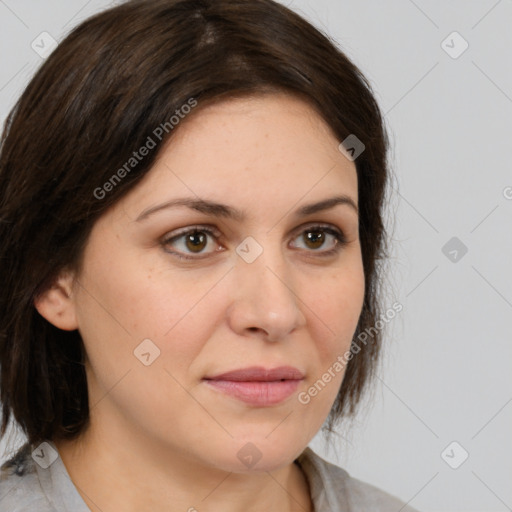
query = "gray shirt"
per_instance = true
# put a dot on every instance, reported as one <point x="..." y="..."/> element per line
<point x="26" y="485"/>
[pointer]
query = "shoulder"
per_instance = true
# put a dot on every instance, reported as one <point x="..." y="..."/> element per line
<point x="335" y="489"/>
<point x="364" y="496"/>
<point x="20" y="488"/>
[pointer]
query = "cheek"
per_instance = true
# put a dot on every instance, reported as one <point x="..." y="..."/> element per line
<point x="334" y="314"/>
<point x="123" y="304"/>
<point x="117" y="311"/>
<point x="337" y="307"/>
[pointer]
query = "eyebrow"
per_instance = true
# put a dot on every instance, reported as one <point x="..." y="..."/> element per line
<point x="214" y="209"/>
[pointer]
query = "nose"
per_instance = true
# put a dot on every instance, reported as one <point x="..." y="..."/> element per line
<point x="264" y="300"/>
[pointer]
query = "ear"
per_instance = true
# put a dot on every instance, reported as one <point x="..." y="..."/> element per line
<point x="57" y="305"/>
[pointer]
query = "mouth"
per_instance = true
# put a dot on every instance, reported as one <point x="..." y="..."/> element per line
<point x="258" y="386"/>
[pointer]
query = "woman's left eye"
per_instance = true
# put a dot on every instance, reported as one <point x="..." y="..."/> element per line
<point x="194" y="240"/>
<point x="317" y="235"/>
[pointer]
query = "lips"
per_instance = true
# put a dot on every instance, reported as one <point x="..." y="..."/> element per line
<point x="260" y="374"/>
<point x="257" y="386"/>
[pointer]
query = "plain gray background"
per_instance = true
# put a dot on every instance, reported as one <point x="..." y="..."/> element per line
<point x="446" y="372"/>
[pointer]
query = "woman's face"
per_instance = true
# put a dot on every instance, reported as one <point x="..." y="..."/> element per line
<point x="266" y="288"/>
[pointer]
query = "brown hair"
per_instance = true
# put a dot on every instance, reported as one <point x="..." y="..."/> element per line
<point x="96" y="99"/>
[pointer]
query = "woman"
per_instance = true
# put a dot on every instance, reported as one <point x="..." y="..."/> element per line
<point x="191" y="204"/>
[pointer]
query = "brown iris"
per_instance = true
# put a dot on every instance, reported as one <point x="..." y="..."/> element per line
<point x="316" y="237"/>
<point x="196" y="241"/>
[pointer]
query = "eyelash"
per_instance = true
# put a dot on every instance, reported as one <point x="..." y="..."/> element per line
<point x="338" y="235"/>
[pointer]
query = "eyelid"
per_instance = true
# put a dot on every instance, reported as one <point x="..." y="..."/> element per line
<point x="194" y="227"/>
<point x="318" y="224"/>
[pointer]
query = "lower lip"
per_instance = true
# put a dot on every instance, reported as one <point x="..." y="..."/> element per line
<point x="255" y="392"/>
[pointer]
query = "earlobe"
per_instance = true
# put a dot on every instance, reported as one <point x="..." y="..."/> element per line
<point x="56" y="304"/>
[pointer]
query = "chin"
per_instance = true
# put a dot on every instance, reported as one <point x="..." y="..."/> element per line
<point x="259" y="451"/>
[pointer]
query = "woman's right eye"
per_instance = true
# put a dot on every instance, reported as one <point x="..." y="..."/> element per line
<point x="194" y="239"/>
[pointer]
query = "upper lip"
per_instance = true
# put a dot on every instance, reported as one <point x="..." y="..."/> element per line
<point x="261" y="374"/>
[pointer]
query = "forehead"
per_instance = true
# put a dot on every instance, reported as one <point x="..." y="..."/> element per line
<point x="276" y="119"/>
<point x="273" y="149"/>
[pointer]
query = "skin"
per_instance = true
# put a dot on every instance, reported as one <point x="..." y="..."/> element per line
<point x="159" y="437"/>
